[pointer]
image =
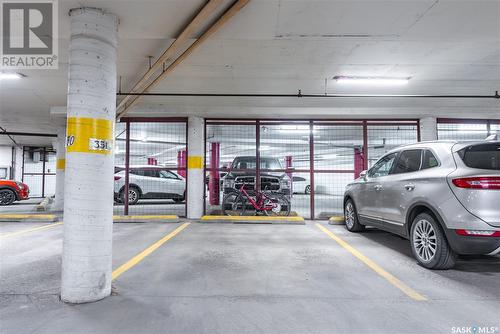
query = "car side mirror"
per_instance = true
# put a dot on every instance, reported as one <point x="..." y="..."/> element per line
<point x="363" y="174"/>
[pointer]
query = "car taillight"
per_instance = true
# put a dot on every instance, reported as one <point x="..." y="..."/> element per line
<point x="117" y="178"/>
<point x="482" y="182"/>
<point x="478" y="233"/>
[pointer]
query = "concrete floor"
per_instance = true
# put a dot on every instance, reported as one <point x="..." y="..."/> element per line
<point x="229" y="278"/>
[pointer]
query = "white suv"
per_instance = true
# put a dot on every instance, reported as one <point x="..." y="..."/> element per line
<point x="149" y="182"/>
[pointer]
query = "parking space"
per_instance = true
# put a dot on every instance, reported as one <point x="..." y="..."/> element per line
<point x="232" y="278"/>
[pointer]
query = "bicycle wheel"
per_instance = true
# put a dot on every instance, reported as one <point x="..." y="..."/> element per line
<point x="281" y="205"/>
<point x="234" y="204"/>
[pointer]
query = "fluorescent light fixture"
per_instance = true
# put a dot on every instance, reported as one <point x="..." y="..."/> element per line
<point x="296" y="129"/>
<point x="375" y="81"/>
<point x="11" y="76"/>
<point x="264" y="148"/>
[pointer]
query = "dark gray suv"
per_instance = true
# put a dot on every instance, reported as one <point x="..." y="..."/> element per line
<point x="243" y="171"/>
<point x="443" y="196"/>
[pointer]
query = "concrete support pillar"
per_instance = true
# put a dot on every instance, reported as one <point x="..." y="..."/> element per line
<point x="60" y="167"/>
<point x="428" y="129"/>
<point x="88" y="200"/>
<point x="195" y="163"/>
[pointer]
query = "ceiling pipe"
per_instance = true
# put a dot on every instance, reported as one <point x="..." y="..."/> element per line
<point x="27" y="134"/>
<point x="300" y="95"/>
<point x="228" y="14"/>
<point x="200" y="19"/>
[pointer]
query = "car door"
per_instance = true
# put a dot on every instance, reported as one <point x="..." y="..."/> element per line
<point x="154" y="184"/>
<point x="171" y="183"/>
<point x="369" y="198"/>
<point x="399" y="187"/>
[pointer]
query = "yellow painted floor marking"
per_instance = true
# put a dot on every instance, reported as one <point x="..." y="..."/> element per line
<point x="139" y="257"/>
<point x="256" y="218"/>
<point x="44" y="227"/>
<point x="375" y="267"/>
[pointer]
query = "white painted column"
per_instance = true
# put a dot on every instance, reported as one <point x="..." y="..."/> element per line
<point x="60" y="146"/>
<point x="428" y="129"/>
<point x="88" y="200"/>
<point x="196" y="161"/>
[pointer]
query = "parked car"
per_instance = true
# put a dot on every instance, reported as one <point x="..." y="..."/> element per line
<point x="443" y="196"/>
<point x="149" y="182"/>
<point x="242" y="171"/>
<point x="11" y="191"/>
<point x="301" y="185"/>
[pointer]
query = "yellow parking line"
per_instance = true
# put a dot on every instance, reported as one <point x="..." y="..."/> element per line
<point x="29" y="230"/>
<point x="139" y="257"/>
<point x="375" y="267"/>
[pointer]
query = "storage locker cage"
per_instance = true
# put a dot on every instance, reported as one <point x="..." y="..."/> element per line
<point x="317" y="158"/>
<point x="150" y="162"/>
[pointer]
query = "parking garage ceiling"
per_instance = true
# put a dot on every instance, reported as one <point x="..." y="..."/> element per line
<point x="279" y="47"/>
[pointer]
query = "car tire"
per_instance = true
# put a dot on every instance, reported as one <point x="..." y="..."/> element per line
<point x="429" y="245"/>
<point x="134" y="193"/>
<point x="352" y="223"/>
<point x="307" y="191"/>
<point x="7" y="197"/>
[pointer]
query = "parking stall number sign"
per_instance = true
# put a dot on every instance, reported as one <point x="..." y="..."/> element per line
<point x="99" y="144"/>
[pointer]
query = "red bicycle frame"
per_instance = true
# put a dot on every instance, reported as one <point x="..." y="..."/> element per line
<point x="260" y="197"/>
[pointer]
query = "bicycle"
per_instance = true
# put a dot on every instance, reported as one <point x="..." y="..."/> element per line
<point x="243" y="202"/>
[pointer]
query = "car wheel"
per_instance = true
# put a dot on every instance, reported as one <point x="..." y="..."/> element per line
<point x="351" y="217"/>
<point x="308" y="190"/>
<point x="133" y="195"/>
<point x="429" y="245"/>
<point x="7" y="197"/>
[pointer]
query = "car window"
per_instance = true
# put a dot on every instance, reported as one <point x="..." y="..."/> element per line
<point x="298" y="179"/>
<point x="383" y="166"/>
<point x="250" y="163"/>
<point x="483" y="156"/>
<point x="408" y="161"/>
<point x="137" y="172"/>
<point x="151" y="173"/>
<point x="167" y="175"/>
<point x="430" y="160"/>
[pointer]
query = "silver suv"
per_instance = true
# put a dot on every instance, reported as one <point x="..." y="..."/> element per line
<point x="444" y="196"/>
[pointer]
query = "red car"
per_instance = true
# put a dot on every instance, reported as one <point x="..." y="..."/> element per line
<point x="11" y="191"/>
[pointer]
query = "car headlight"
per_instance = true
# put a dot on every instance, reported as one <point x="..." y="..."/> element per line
<point x="229" y="183"/>
<point x="20" y="185"/>
<point x="285" y="184"/>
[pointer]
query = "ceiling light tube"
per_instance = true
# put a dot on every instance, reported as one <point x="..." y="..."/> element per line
<point x="374" y="81"/>
<point x="10" y="76"/>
